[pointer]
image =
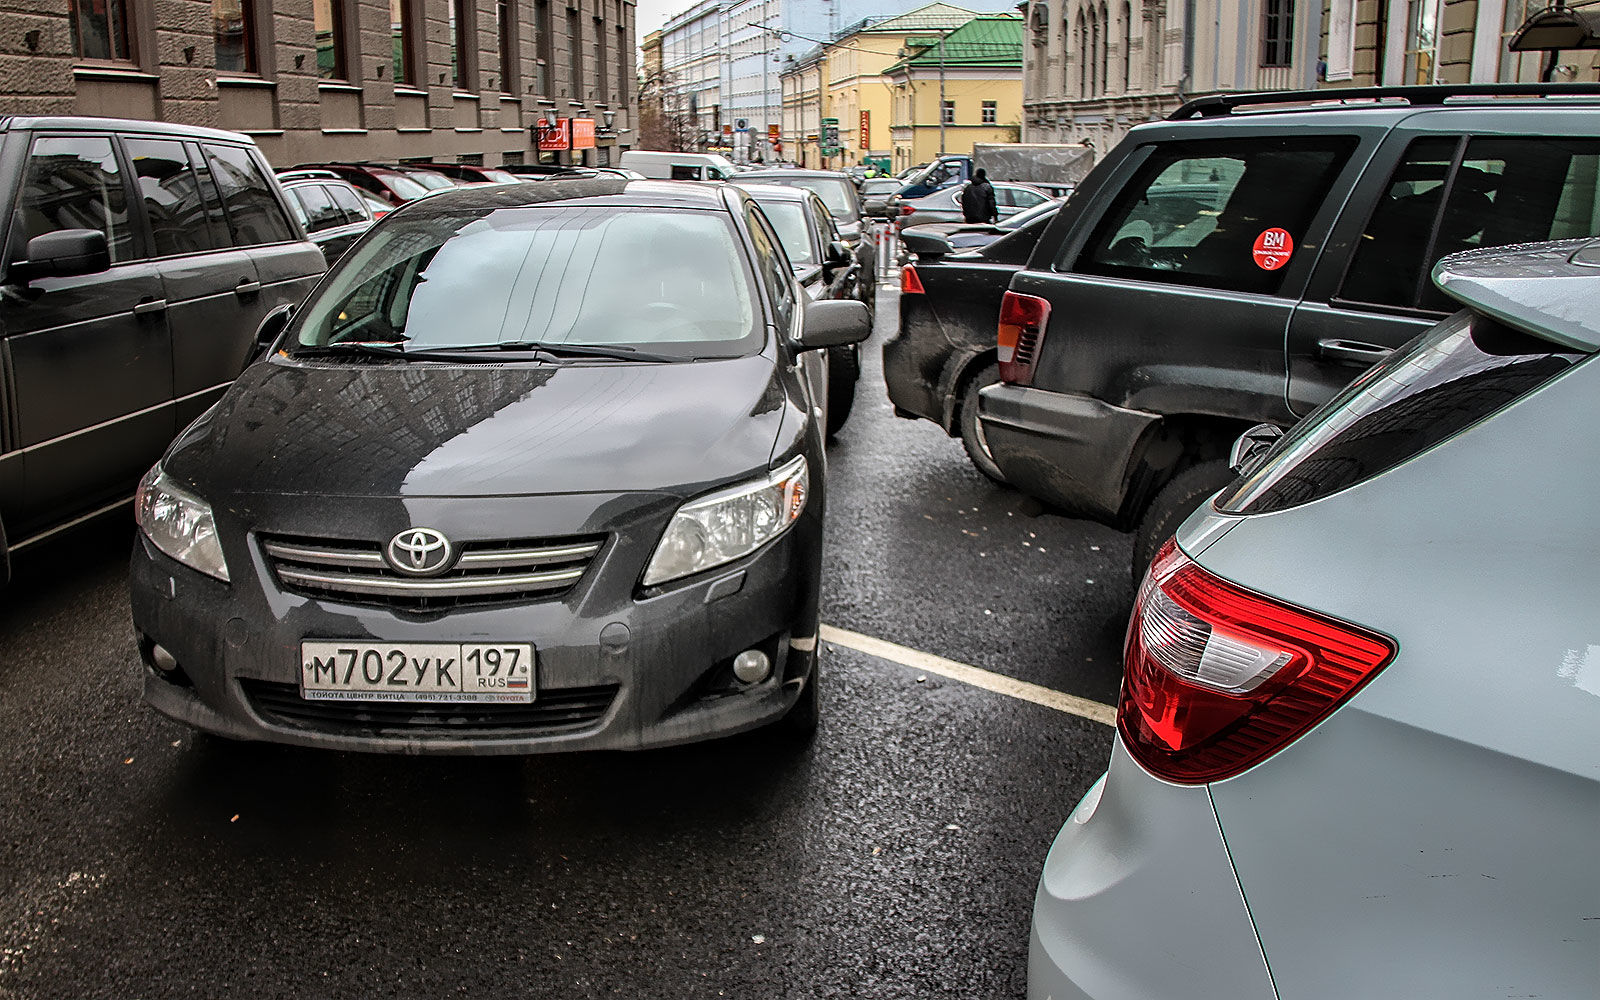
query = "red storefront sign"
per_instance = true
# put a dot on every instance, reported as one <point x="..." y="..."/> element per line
<point x="553" y="138"/>
<point x="866" y="130"/>
<point x="583" y="133"/>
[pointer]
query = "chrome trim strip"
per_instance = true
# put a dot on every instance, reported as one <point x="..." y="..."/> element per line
<point x="322" y="556"/>
<point x="395" y="587"/>
<point x="506" y="558"/>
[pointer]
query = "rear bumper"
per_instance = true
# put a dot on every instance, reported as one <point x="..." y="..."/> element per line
<point x="1138" y="899"/>
<point x="1071" y="451"/>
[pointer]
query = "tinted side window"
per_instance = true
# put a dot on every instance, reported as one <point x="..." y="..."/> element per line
<point x="1445" y="198"/>
<point x="173" y="204"/>
<point x="1217" y="214"/>
<point x="321" y="212"/>
<point x="73" y="182"/>
<point x="1388" y="262"/>
<point x="254" y="215"/>
<point x="354" y="209"/>
<point x="216" y="219"/>
<point x="771" y="267"/>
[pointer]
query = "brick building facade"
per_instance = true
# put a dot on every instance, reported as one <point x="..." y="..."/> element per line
<point x="315" y="80"/>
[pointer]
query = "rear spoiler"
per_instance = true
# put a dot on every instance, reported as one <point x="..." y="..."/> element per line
<point x="1549" y="290"/>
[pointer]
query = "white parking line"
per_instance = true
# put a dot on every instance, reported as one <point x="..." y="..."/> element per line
<point x="1083" y="708"/>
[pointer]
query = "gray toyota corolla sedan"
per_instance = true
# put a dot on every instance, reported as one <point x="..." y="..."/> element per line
<point x="536" y="467"/>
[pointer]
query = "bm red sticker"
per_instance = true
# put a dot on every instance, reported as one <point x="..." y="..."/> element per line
<point x="1273" y="249"/>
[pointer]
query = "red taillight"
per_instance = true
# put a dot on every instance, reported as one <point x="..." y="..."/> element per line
<point x="906" y="209"/>
<point x="910" y="283"/>
<point x="1216" y="679"/>
<point x="1022" y="322"/>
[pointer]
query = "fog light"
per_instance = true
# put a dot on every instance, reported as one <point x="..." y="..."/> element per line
<point x="751" y="666"/>
<point x="163" y="660"/>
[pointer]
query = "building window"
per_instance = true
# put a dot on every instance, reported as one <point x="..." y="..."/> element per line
<point x="1422" y="42"/>
<point x="602" y="90"/>
<point x="1081" y="36"/>
<point x="462" y="63"/>
<point x="990" y="113"/>
<point x="574" y="53"/>
<point x="1127" y="48"/>
<point x="624" y="63"/>
<point x="403" y="32"/>
<point x="327" y="18"/>
<point x="948" y="115"/>
<point x="1277" y="32"/>
<point x="234" y="33"/>
<point x="100" y="30"/>
<point x="505" y="20"/>
<point x="546" y="24"/>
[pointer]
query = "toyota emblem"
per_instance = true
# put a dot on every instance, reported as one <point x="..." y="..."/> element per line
<point x="420" y="552"/>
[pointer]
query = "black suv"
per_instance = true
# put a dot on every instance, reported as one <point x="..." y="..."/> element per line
<point x="1242" y="261"/>
<point x="139" y="260"/>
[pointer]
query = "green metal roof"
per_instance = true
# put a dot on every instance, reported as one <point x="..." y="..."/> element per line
<point x="987" y="40"/>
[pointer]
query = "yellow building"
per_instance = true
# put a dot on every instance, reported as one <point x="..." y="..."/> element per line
<point x="952" y="92"/>
<point x="801" y="81"/>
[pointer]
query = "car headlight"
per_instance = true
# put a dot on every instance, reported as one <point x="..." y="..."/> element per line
<point x="179" y="523"/>
<point x="729" y="524"/>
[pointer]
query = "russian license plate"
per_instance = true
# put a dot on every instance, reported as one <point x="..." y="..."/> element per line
<point x="416" y="671"/>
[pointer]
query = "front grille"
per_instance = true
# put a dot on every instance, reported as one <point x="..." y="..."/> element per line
<point x="553" y="711"/>
<point x="485" y="572"/>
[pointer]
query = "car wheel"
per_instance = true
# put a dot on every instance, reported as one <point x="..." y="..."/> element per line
<point x="844" y="368"/>
<point x="1181" y="497"/>
<point x="972" y="429"/>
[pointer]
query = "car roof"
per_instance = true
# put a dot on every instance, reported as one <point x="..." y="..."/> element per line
<point x="834" y="174"/>
<point x="773" y="192"/>
<point x="611" y="192"/>
<point x="89" y="123"/>
<point x="1389" y="103"/>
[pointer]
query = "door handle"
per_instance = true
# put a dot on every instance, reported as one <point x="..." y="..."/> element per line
<point x="246" y="287"/>
<point x="148" y="307"/>
<point x="1352" y="351"/>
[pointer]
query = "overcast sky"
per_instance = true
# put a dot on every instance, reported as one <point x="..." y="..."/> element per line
<point x="652" y="14"/>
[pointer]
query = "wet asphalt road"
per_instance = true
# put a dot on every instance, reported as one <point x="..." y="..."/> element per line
<point x="894" y="857"/>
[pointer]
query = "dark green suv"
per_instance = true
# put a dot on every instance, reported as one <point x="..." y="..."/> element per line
<point x="1242" y="261"/>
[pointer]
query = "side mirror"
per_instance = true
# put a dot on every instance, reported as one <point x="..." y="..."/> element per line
<point x="65" y="253"/>
<point x="1252" y="447"/>
<point x="927" y="246"/>
<point x="834" y="323"/>
<point x="839" y="254"/>
<point x="272" y="326"/>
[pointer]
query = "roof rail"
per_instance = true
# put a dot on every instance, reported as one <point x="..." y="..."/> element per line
<point x="1223" y="104"/>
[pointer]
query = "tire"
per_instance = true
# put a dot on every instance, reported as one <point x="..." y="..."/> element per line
<point x="972" y="430"/>
<point x="844" y="369"/>
<point x="1181" y="497"/>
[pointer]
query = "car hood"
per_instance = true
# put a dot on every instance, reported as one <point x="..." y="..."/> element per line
<point x="420" y="429"/>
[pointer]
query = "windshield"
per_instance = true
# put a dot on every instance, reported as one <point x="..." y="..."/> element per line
<point x="789" y="219"/>
<point x="403" y="186"/>
<point x="430" y="180"/>
<point x="672" y="282"/>
<point x="880" y="186"/>
<point x="834" y="192"/>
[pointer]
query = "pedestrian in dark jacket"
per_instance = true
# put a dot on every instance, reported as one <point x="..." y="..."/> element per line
<point x="977" y="201"/>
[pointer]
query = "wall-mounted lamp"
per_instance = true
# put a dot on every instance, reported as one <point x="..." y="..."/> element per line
<point x="551" y="118"/>
<point x="609" y="117"/>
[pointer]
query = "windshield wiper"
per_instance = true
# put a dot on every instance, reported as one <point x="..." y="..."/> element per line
<point x="380" y="349"/>
<point x="574" y="350"/>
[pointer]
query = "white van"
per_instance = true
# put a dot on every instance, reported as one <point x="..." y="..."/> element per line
<point x="678" y="166"/>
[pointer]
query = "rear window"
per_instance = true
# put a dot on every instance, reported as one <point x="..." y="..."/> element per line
<point x="1461" y="372"/>
<point x="674" y="282"/>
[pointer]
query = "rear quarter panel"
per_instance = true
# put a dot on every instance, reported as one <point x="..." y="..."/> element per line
<point x="1435" y="836"/>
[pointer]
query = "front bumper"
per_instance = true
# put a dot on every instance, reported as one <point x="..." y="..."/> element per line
<point x="1139" y="899"/>
<point x="1072" y="451"/>
<point x="615" y="667"/>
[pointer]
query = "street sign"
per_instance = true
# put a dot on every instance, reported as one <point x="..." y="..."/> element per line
<point x="866" y="130"/>
<point x="741" y="124"/>
<point x="830" y="135"/>
<point x="583" y="133"/>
